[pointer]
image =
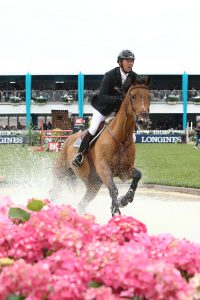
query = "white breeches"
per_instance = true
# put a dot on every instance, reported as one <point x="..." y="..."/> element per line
<point x="97" y="118"/>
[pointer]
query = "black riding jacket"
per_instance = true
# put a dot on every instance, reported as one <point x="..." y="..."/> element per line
<point x="109" y="99"/>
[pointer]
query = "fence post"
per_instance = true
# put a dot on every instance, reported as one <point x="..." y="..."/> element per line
<point x="80" y="94"/>
<point x="185" y="97"/>
<point x="28" y="100"/>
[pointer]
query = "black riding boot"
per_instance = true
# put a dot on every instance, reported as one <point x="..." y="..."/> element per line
<point x="83" y="147"/>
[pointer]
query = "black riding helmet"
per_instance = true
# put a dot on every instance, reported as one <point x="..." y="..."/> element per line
<point x="125" y="54"/>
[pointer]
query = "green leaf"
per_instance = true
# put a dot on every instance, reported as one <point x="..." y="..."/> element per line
<point x="94" y="284"/>
<point x="18" y="213"/>
<point x="15" y="297"/>
<point x="35" y="205"/>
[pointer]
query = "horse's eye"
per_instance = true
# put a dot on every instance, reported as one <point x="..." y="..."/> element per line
<point x="132" y="97"/>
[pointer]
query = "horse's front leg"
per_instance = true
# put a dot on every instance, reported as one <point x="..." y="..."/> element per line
<point x="105" y="174"/>
<point x="113" y="194"/>
<point x="129" y="196"/>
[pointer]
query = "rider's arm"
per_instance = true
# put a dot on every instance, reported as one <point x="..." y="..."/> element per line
<point x="107" y="93"/>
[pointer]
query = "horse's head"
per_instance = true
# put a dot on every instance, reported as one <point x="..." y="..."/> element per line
<point x="139" y="97"/>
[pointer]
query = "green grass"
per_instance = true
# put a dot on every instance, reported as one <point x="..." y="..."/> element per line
<point x="164" y="164"/>
<point x="169" y="164"/>
<point x="23" y="163"/>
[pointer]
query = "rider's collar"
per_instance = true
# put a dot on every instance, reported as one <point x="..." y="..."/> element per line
<point x="123" y="75"/>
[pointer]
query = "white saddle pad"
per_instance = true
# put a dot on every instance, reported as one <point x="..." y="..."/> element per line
<point x="77" y="143"/>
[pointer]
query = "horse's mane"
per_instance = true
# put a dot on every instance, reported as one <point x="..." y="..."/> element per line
<point x="136" y="80"/>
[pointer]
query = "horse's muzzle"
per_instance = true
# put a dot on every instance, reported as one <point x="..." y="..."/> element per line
<point x="143" y="121"/>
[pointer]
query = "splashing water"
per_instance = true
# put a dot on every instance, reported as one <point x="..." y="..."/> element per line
<point x="31" y="177"/>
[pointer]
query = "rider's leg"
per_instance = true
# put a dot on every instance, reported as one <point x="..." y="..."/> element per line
<point x="83" y="147"/>
<point x="95" y="122"/>
<point x="97" y="118"/>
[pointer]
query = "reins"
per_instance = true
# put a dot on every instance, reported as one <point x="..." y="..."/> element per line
<point x="135" y="117"/>
<point x="119" y="143"/>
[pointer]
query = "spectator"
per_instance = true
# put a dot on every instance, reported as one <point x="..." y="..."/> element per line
<point x="49" y="126"/>
<point x="193" y="92"/>
<point x="197" y="129"/>
<point x="19" y="126"/>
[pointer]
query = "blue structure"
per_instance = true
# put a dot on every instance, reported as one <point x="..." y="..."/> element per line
<point x="80" y="94"/>
<point x="28" y="99"/>
<point x="185" y="97"/>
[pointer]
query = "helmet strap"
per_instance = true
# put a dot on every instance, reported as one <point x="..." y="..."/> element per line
<point x="121" y="66"/>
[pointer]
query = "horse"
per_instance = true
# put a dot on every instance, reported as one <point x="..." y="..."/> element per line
<point x="112" y="154"/>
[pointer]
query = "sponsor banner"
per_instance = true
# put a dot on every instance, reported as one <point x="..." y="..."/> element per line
<point x="78" y="124"/>
<point x="164" y="138"/>
<point x="79" y="121"/>
<point x="11" y="140"/>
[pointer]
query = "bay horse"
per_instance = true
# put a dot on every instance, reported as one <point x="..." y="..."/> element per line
<point x="112" y="154"/>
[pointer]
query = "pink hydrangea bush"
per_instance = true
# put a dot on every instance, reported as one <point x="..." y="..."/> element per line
<point x="121" y="229"/>
<point x="47" y="231"/>
<point x="183" y="254"/>
<point x="5" y="203"/>
<point x="59" y="255"/>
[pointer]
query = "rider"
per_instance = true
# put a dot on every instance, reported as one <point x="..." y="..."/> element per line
<point x="108" y="101"/>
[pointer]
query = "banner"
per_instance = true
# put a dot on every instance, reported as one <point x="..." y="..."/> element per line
<point x="155" y="138"/>
<point x="11" y="140"/>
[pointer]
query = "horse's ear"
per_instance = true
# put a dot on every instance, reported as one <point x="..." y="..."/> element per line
<point x="142" y="79"/>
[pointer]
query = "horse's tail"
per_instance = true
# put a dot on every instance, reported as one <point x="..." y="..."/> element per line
<point x="62" y="175"/>
<point x="71" y="180"/>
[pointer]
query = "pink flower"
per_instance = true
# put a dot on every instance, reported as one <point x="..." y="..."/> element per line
<point x="60" y="253"/>
<point x="101" y="293"/>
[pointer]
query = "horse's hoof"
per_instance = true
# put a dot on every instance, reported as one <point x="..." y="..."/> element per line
<point x="124" y="201"/>
<point x="130" y="200"/>
<point x="115" y="211"/>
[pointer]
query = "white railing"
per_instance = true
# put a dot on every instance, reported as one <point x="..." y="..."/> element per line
<point x="160" y="132"/>
<point x="57" y="95"/>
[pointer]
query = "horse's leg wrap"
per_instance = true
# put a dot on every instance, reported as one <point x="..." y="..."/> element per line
<point x="131" y="192"/>
<point x="113" y="194"/>
<point x="136" y="178"/>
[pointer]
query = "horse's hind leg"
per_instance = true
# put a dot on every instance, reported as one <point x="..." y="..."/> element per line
<point x="62" y="174"/>
<point x="71" y="179"/>
<point x="124" y="200"/>
<point x="92" y="188"/>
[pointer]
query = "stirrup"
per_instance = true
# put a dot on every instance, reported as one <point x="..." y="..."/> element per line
<point x="76" y="161"/>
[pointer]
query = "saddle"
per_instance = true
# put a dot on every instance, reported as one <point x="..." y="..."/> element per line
<point x="101" y="127"/>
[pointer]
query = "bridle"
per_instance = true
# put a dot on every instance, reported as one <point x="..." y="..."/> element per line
<point x="135" y="117"/>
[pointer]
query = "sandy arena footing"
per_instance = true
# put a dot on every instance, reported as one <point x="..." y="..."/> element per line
<point x="161" y="209"/>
